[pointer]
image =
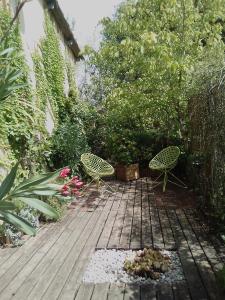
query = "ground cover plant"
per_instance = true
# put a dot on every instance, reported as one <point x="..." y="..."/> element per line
<point x="148" y="263"/>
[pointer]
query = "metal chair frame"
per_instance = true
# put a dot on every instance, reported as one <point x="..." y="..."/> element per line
<point x="96" y="168"/>
<point x="164" y="162"/>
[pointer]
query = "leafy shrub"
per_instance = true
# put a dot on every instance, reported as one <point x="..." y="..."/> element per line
<point x="68" y="143"/>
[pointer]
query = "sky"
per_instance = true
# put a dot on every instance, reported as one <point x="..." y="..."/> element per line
<point x="87" y="14"/>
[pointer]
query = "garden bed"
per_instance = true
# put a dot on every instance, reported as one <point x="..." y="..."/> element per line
<point x="108" y="266"/>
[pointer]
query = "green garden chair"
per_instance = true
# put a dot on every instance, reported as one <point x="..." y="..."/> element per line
<point x="164" y="162"/>
<point x="96" y="168"/>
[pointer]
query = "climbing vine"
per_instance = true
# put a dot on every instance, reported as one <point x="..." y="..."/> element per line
<point x="23" y="133"/>
<point x="54" y="68"/>
<point x="16" y="124"/>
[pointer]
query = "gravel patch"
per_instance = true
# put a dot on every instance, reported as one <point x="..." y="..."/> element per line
<point x="107" y="266"/>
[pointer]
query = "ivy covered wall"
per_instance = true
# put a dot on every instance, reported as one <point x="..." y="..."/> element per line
<point x="24" y="133"/>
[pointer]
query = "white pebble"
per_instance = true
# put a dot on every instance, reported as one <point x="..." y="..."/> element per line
<point x="107" y="266"/>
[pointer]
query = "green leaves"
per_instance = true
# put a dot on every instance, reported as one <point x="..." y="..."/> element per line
<point x="6" y="205"/>
<point x="18" y="222"/>
<point x="8" y="182"/>
<point x="144" y="66"/>
<point x="40" y="205"/>
<point x="27" y="192"/>
<point x="39" y="179"/>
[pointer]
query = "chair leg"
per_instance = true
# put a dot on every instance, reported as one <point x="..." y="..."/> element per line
<point x="87" y="185"/>
<point x="182" y="184"/>
<point x="155" y="183"/>
<point x="165" y="181"/>
<point x="98" y="181"/>
<point x="105" y="183"/>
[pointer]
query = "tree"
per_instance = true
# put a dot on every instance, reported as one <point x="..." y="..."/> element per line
<point x="145" y="63"/>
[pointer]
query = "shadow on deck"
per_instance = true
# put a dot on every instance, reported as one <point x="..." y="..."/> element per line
<point x="51" y="265"/>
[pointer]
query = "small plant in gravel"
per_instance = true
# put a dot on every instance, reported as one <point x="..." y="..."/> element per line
<point x="147" y="263"/>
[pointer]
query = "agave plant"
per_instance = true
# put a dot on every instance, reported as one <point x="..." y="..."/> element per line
<point x="29" y="192"/>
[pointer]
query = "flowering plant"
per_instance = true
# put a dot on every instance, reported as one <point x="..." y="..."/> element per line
<point x="72" y="186"/>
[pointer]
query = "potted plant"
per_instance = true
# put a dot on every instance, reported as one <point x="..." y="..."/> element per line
<point x="125" y="158"/>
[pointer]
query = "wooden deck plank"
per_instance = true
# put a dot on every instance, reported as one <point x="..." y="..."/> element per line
<point x="125" y="237"/>
<point x="76" y="274"/>
<point x="84" y="293"/>
<point x="148" y="292"/>
<point x="132" y="292"/>
<point x="164" y="292"/>
<point x="114" y="238"/>
<point x="191" y="274"/>
<point x="44" y="258"/>
<point x="6" y="253"/>
<point x="27" y="253"/>
<point x="135" y="239"/>
<point x="204" y="240"/>
<point x="100" y="291"/>
<point x="106" y="232"/>
<point x="51" y="265"/>
<point x="57" y="272"/>
<point x="21" y="252"/>
<point x="156" y="227"/>
<point x="168" y="238"/>
<point x="116" y="291"/>
<point x="181" y="292"/>
<point x="205" y="270"/>
<point x="146" y="240"/>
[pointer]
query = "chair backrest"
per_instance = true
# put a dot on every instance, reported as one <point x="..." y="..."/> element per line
<point x="95" y="164"/>
<point x="166" y="159"/>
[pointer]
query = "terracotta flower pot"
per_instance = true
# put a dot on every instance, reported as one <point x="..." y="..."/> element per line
<point x="126" y="173"/>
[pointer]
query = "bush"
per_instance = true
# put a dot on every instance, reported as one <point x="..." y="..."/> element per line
<point x="68" y="143"/>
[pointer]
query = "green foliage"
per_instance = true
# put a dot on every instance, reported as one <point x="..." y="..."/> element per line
<point x="144" y="69"/>
<point x="8" y="75"/>
<point x="69" y="142"/>
<point x="27" y="192"/>
<point x="207" y="129"/>
<point x="54" y="69"/>
<point x="57" y="206"/>
<point x="23" y="133"/>
<point x="144" y="72"/>
<point x="18" y="126"/>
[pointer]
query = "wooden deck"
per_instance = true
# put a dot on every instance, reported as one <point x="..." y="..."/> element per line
<point x="51" y="265"/>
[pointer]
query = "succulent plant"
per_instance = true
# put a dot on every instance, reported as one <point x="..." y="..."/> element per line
<point x="148" y="263"/>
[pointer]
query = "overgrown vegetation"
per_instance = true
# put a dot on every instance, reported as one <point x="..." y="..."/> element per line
<point x="158" y="78"/>
<point x="23" y="130"/>
<point x="207" y="129"/>
<point x="144" y="68"/>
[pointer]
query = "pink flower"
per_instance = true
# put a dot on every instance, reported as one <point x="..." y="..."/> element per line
<point x="65" y="193"/>
<point x="75" y="178"/>
<point x="74" y="191"/>
<point x="64" y="173"/>
<point x="79" y="184"/>
<point x="65" y="187"/>
<point x="73" y="182"/>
